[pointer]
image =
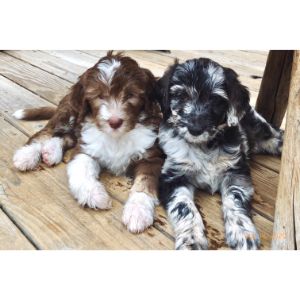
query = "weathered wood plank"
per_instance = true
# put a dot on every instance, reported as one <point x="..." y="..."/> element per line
<point x="268" y="161"/>
<point x="297" y="214"/>
<point x="274" y="90"/>
<point x="14" y="97"/>
<point x="42" y="206"/>
<point x="286" y="232"/>
<point x="76" y="57"/>
<point x="265" y="183"/>
<point x="258" y="52"/>
<point x="42" y="83"/>
<point x="52" y="64"/>
<point x="241" y="60"/>
<point x="10" y="236"/>
<point x="244" y="63"/>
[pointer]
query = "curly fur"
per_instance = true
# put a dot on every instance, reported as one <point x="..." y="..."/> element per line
<point x="208" y="131"/>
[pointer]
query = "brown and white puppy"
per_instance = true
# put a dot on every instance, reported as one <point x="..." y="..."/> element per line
<point x="112" y="117"/>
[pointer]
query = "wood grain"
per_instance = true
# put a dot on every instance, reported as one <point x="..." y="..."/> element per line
<point x="52" y="64"/>
<point x="265" y="182"/>
<point x="14" y="97"/>
<point x="287" y="215"/>
<point x="274" y="90"/>
<point x="34" y="79"/>
<point x="268" y="161"/>
<point x="76" y="57"/>
<point x="11" y="237"/>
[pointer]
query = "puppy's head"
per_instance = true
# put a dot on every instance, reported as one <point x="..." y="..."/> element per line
<point x="116" y="92"/>
<point x="200" y="97"/>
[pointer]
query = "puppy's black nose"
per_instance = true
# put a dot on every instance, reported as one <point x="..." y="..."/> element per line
<point x="195" y="131"/>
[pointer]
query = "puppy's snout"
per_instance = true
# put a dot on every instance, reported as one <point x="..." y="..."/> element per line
<point x="195" y="130"/>
<point x="115" y="122"/>
<point x="197" y="127"/>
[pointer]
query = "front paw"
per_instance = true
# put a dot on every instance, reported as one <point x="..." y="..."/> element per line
<point x="27" y="157"/>
<point x="193" y="239"/>
<point x="52" y="151"/>
<point x="92" y="194"/>
<point x="138" y="212"/>
<point x="243" y="237"/>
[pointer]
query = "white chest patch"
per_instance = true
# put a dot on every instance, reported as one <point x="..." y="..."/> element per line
<point x="204" y="167"/>
<point x="116" y="153"/>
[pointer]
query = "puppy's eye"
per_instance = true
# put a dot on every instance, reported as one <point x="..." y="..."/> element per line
<point x="133" y="101"/>
<point x="180" y="94"/>
<point x="128" y="96"/>
<point x="219" y="108"/>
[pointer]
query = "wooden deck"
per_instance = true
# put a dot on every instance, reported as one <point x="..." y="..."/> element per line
<point x="36" y="208"/>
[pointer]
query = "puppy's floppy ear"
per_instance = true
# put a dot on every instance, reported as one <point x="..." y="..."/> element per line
<point x="77" y="95"/>
<point x="77" y="98"/>
<point x="163" y="89"/>
<point x="150" y="90"/>
<point x="238" y="96"/>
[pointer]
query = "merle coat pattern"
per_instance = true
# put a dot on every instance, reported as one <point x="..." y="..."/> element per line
<point x="208" y="132"/>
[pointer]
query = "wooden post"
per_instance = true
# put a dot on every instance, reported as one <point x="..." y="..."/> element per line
<point x="286" y="232"/>
<point x="274" y="90"/>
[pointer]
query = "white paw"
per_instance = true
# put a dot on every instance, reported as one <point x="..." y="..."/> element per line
<point x="52" y="152"/>
<point x="242" y="236"/>
<point x="138" y="213"/>
<point x="27" y="157"/>
<point x="92" y="194"/>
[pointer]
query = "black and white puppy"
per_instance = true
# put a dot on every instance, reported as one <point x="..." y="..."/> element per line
<point x="208" y="131"/>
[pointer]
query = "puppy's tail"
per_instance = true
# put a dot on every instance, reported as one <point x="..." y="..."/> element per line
<point x="32" y="114"/>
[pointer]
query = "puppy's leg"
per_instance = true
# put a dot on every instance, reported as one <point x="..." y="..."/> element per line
<point x="29" y="156"/>
<point x="262" y="137"/>
<point x="58" y="135"/>
<point x="53" y="148"/>
<point x="49" y="144"/>
<point x="139" y="209"/>
<point x="41" y="146"/>
<point x="52" y="151"/>
<point x="177" y="196"/>
<point x="83" y="172"/>
<point x="237" y="191"/>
